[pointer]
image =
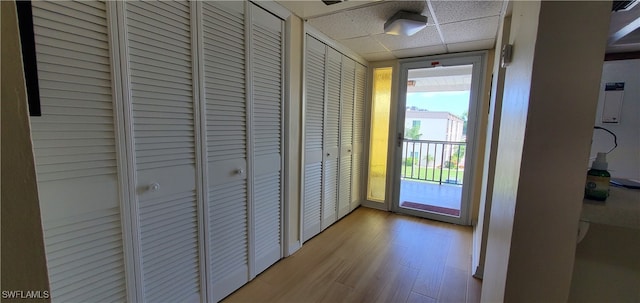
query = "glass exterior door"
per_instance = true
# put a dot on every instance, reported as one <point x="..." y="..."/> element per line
<point x="435" y="134"/>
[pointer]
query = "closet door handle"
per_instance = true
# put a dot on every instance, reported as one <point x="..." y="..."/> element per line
<point x="328" y="154"/>
<point x="155" y="186"/>
<point x="239" y="171"/>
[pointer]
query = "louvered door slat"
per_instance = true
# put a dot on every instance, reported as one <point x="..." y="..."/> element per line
<point x="346" y="101"/>
<point x="358" y="117"/>
<point x="331" y="138"/>
<point x="75" y="152"/>
<point x="266" y="120"/>
<point x="332" y="109"/>
<point x="312" y="199"/>
<point x="56" y="11"/>
<point x="315" y="53"/>
<point x="226" y="111"/>
<point x="346" y="135"/>
<point x="159" y="44"/>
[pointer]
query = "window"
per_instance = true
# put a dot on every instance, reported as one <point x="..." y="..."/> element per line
<point x="380" y="110"/>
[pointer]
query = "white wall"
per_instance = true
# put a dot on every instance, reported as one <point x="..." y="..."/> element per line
<point x="481" y="230"/>
<point x="433" y="129"/>
<point x="294" y="125"/>
<point x="509" y="152"/>
<point x="624" y="161"/>
<point x="550" y="98"/>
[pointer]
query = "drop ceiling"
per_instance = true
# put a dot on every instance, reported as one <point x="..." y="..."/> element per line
<point x="453" y="26"/>
<point x="624" y="31"/>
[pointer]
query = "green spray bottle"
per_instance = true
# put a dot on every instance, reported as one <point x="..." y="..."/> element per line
<point x="597" y="186"/>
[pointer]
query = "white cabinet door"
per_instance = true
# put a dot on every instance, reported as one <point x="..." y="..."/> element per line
<point x="346" y="135"/>
<point x="226" y="140"/>
<point x="358" y="135"/>
<point x="160" y="66"/>
<point x="267" y="81"/>
<point x="331" y="139"/>
<point x="313" y="133"/>
<point x="76" y="154"/>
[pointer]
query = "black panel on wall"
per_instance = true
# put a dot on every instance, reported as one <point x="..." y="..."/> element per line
<point x="25" y="23"/>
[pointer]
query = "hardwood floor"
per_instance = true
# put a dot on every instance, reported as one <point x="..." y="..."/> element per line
<point x="373" y="256"/>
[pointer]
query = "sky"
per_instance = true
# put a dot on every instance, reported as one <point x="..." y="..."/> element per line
<point x="453" y="102"/>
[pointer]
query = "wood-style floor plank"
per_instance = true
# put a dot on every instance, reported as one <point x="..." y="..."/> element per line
<point x="373" y="256"/>
<point x="454" y="286"/>
<point x="474" y="288"/>
<point x="418" y="298"/>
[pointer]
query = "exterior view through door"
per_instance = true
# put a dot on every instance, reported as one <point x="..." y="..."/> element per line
<point x="434" y="136"/>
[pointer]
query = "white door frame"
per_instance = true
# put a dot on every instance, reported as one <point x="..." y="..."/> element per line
<point x="478" y="60"/>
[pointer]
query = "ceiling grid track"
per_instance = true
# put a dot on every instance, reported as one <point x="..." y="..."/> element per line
<point x="437" y="25"/>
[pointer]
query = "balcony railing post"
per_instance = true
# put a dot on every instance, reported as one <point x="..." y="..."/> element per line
<point x="441" y="163"/>
<point x="413" y="158"/>
<point x="458" y="162"/>
<point x="419" y="157"/>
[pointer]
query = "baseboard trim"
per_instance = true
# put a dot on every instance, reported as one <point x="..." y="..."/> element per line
<point x="293" y="248"/>
<point x="479" y="272"/>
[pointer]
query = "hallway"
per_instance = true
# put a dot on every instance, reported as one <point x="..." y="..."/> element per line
<point x="373" y="256"/>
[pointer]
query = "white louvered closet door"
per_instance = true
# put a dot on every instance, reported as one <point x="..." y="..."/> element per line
<point x="266" y="136"/>
<point x="331" y="139"/>
<point x="76" y="153"/>
<point x="162" y="102"/>
<point x="346" y="135"/>
<point x="358" y="135"/>
<point x="223" y="28"/>
<point x="313" y="133"/>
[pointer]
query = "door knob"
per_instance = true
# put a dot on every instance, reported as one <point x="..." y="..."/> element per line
<point x="239" y="171"/>
<point x="154" y="186"/>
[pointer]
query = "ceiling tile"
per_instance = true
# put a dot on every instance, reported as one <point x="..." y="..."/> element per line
<point x="420" y="51"/>
<point x="453" y="11"/>
<point x="471" y="45"/>
<point x="472" y="30"/>
<point x="364" y="21"/>
<point x="426" y="37"/>
<point x="381" y="56"/>
<point x="308" y="9"/>
<point x="364" y="45"/>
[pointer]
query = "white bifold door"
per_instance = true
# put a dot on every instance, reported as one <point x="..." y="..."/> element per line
<point x="159" y="149"/>
<point x="331" y="137"/>
<point x="334" y="87"/>
<point x="161" y="102"/>
<point x="243" y="88"/>
<point x="76" y="154"/>
<point x="225" y="91"/>
<point x="313" y="136"/>
<point x="346" y="135"/>
<point x="358" y="136"/>
<point x="266" y="59"/>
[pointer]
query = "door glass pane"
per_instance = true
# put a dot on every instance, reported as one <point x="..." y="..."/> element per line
<point x="381" y="101"/>
<point x="434" y="145"/>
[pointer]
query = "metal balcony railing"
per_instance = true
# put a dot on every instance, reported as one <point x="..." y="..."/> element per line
<point x="435" y="161"/>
